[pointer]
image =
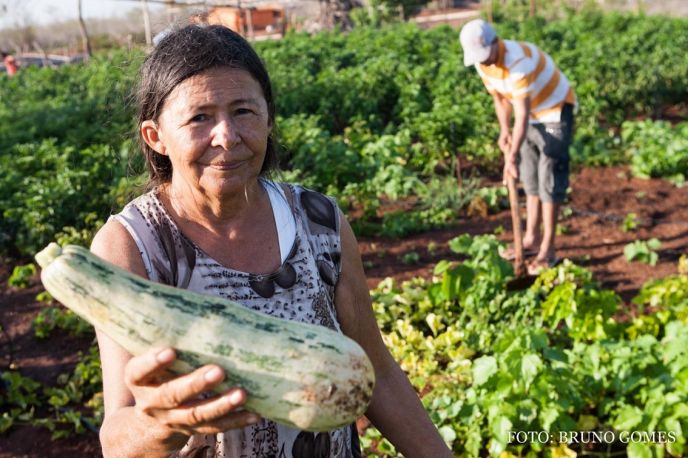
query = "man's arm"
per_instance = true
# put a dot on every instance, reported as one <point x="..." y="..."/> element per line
<point x="521" y="115"/>
<point x="521" y="109"/>
<point x="503" y="110"/>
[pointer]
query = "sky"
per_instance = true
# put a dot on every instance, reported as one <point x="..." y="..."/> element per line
<point x="41" y="12"/>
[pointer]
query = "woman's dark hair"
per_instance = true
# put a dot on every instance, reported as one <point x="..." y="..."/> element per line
<point x="186" y="52"/>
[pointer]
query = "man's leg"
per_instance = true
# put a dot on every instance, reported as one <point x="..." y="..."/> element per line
<point x="528" y="170"/>
<point x="553" y="170"/>
<point x="554" y="180"/>
<point x="532" y="235"/>
<point x="550" y="213"/>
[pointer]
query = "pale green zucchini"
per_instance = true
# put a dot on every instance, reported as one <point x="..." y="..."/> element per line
<point x="298" y="374"/>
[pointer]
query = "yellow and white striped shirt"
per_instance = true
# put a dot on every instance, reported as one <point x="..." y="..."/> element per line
<point x="523" y="70"/>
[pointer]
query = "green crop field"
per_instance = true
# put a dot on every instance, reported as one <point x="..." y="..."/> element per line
<point x="378" y="117"/>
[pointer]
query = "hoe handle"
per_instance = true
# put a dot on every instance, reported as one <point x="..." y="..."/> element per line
<point x="519" y="263"/>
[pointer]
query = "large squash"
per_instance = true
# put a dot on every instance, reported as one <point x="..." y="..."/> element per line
<point x="298" y="374"/>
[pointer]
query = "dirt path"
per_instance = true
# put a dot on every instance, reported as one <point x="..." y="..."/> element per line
<point x="600" y="200"/>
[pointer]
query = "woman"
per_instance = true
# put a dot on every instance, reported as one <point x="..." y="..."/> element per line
<point x="213" y="223"/>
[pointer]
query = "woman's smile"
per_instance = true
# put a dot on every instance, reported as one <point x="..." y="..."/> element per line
<point x="226" y="165"/>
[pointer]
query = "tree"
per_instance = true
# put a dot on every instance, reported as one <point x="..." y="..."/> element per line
<point x="336" y="12"/>
<point x="406" y="8"/>
<point x="22" y="31"/>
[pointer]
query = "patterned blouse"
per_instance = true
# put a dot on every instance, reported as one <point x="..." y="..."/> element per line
<point x="302" y="289"/>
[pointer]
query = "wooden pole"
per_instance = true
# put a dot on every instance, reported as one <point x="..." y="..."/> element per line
<point x="146" y="23"/>
<point x="532" y="8"/>
<point x="519" y="261"/>
<point x="488" y="9"/>
<point x="249" y="23"/>
<point x="84" y="34"/>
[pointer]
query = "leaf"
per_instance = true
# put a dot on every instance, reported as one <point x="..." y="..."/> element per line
<point x="630" y="251"/>
<point x="638" y="450"/>
<point x="474" y="439"/>
<point x="456" y="280"/>
<point x="675" y="447"/>
<point x="628" y="418"/>
<point x="652" y="258"/>
<point x="654" y="244"/>
<point x="562" y="451"/>
<point x="643" y="251"/>
<point x="6" y="422"/>
<point x="441" y="267"/>
<point x="530" y="367"/>
<point x="461" y="244"/>
<point x="548" y="415"/>
<point x="448" y="434"/>
<point x="499" y="430"/>
<point x="483" y="368"/>
<point x="454" y="409"/>
<point x="434" y="322"/>
<point x="587" y="422"/>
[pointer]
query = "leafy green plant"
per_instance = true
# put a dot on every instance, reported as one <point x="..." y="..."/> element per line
<point x="45" y="297"/>
<point x="70" y="235"/>
<point x="496" y="198"/>
<point x="48" y="187"/>
<point x="586" y="311"/>
<point x="630" y="222"/>
<point x="410" y="258"/>
<point x="375" y="114"/>
<point x="81" y="387"/>
<point x="75" y="405"/>
<point x="58" y="317"/>
<point x="643" y="251"/>
<point x="21" y="275"/>
<point x="560" y="356"/>
<point x="18" y="399"/>
<point x="657" y="149"/>
<point x="683" y="264"/>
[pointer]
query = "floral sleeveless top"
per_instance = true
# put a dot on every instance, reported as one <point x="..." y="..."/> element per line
<point x="302" y="289"/>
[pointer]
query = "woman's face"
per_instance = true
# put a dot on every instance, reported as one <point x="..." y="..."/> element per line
<point x="214" y="127"/>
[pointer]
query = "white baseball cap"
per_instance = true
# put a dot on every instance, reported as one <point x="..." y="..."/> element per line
<point x="476" y="39"/>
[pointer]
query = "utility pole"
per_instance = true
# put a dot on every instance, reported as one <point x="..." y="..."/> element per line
<point x="84" y="34"/>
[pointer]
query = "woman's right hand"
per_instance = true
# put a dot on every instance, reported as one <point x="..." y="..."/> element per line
<point x="174" y="402"/>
